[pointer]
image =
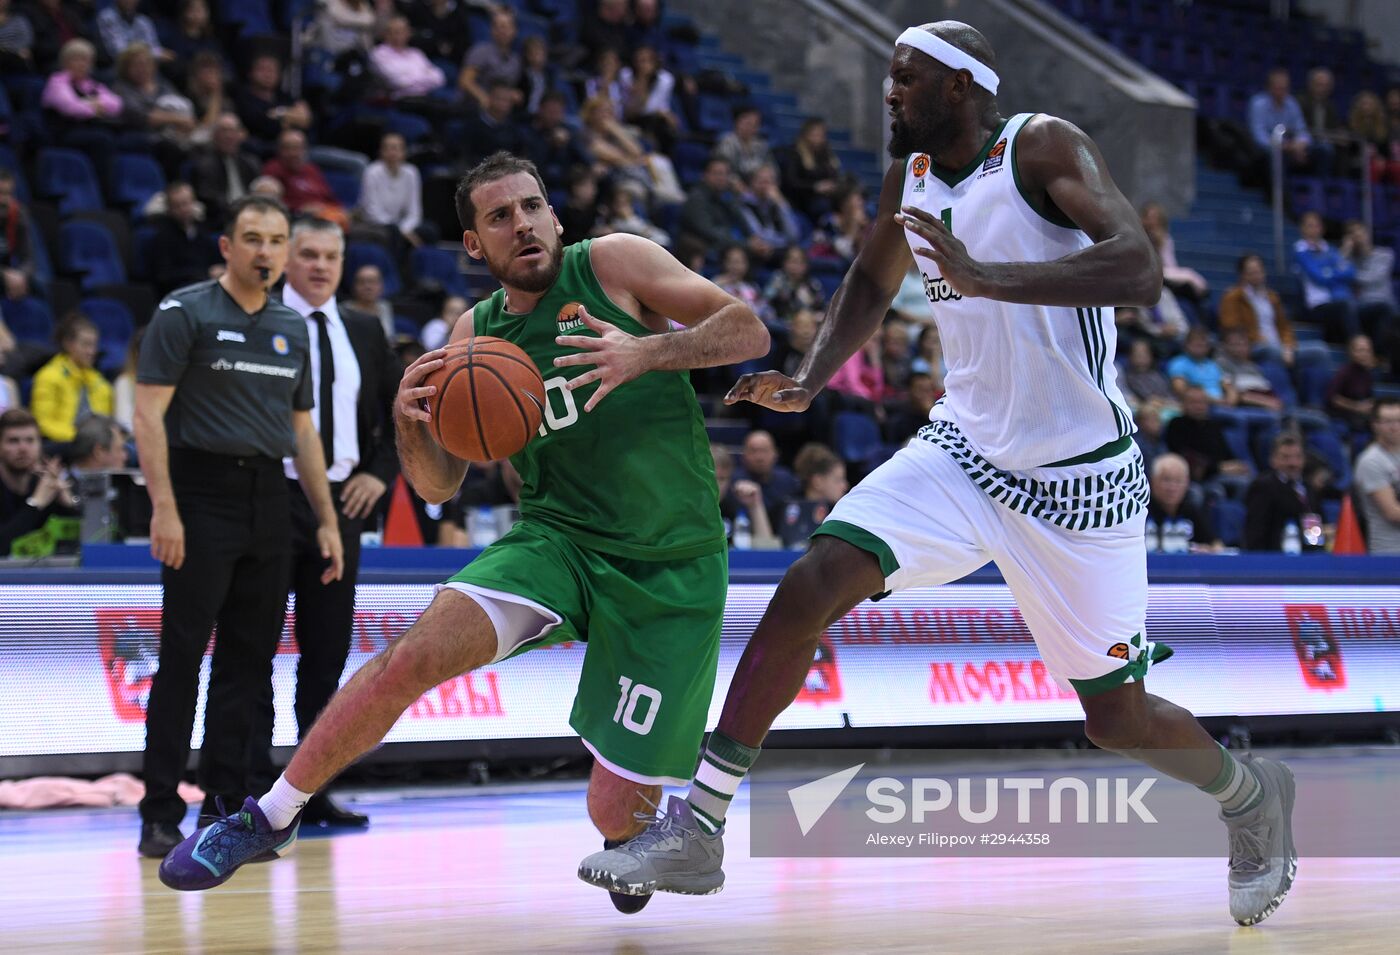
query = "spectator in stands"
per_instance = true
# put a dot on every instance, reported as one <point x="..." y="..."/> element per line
<point x="553" y="146"/>
<point x="606" y="29"/>
<point x="859" y="384"/>
<point x="184" y="251"/>
<point x="1175" y="524"/>
<point x="124" y="387"/>
<point x="69" y="387"/>
<point x="1351" y="392"/>
<point x="843" y="232"/>
<point x="1200" y="439"/>
<point x="1319" y="109"/>
<point x="801" y="332"/>
<point x="1375" y="290"/>
<point x="1142" y="381"/>
<point x="224" y="173"/>
<point x="405" y="70"/>
<point x="98" y="445"/>
<point x="391" y="193"/>
<point x="745" y="146"/>
<point x="1163" y="326"/>
<point x="192" y="37"/>
<point x="822" y="477"/>
<point x="436" y="331"/>
<point x="493" y="61"/>
<point x="16" y="255"/>
<point x="733" y="277"/>
<point x="1327" y="278"/>
<point x="606" y="80"/>
<point x="494" y="129"/>
<point x="151" y="105"/>
<point x="441" y="29"/>
<point x="55" y="23"/>
<point x="580" y="216"/>
<point x="1377" y="479"/>
<point x="645" y="95"/>
<point x="1247" y="382"/>
<point x="266" y="186"/>
<point x="896" y="357"/>
<point x="1257" y="309"/>
<point x="32" y="488"/>
<point x="928" y="356"/>
<point x="646" y="24"/>
<point x="265" y="110"/>
<point x="367" y="295"/>
<point x="1277" y="107"/>
<point x="759" y="463"/>
<point x="16" y="41"/>
<point x="812" y="171"/>
<point x="1148" y="436"/>
<point x="618" y="153"/>
<point x="622" y="216"/>
<point x="793" y="288"/>
<point x="1392" y="111"/>
<point x="344" y="26"/>
<point x="905" y="419"/>
<point x="538" y="76"/>
<point x="82" y="112"/>
<point x="1367" y="122"/>
<point x="1197" y="369"/>
<point x="123" y="24"/>
<point x="1184" y="282"/>
<point x="1281" y="511"/>
<point x="206" y="93"/>
<point x="768" y="213"/>
<point x="304" y="186"/>
<point x="713" y="216"/>
<point x="741" y="504"/>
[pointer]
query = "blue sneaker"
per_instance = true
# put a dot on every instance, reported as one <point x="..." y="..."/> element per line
<point x="214" y="853"/>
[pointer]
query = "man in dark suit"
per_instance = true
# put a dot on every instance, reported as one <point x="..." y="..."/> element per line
<point x="1281" y="512"/>
<point x="223" y="174"/>
<point x="184" y="249"/>
<point x="354" y="402"/>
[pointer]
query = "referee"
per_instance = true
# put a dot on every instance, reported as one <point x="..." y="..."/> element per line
<point x="223" y="393"/>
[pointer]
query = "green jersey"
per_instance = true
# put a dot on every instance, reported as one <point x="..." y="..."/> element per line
<point x="634" y="477"/>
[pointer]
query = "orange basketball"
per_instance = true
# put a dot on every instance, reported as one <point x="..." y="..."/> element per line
<point x="489" y="401"/>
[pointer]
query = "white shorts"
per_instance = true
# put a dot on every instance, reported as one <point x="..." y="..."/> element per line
<point x="929" y="516"/>
<point x="518" y="620"/>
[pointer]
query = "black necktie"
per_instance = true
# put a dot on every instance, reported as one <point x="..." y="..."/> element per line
<point x="324" y="402"/>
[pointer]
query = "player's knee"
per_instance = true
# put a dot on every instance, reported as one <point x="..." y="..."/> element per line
<point x="407" y="668"/>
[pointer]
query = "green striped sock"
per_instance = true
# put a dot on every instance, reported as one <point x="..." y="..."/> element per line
<point x="722" y="769"/>
<point x="1235" y="787"/>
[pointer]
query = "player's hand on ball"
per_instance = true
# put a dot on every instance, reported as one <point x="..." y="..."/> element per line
<point x="771" y="389"/>
<point x="411" y="400"/>
<point x="617" y="357"/>
<point x="959" y="270"/>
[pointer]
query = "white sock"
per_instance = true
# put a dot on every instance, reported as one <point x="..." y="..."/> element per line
<point x="282" y="803"/>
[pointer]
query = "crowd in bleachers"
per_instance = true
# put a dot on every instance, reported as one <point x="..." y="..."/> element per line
<point x="131" y="127"/>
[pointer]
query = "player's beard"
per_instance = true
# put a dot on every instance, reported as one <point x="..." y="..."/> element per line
<point x="923" y="129"/>
<point x="529" y="279"/>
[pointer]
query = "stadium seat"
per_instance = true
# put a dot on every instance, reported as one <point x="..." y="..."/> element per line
<point x="856" y="436"/>
<point x="134" y="179"/>
<point x="1229" y="521"/>
<point x="29" y="319"/>
<point x="143" y="239"/>
<point x="441" y="267"/>
<point x="68" y="175"/>
<point x="112" y="318"/>
<point x="87" y="248"/>
<point x="345" y="185"/>
<point x="360" y="254"/>
<point x="412" y="128"/>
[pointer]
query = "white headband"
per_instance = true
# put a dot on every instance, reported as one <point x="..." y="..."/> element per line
<point x="949" y="55"/>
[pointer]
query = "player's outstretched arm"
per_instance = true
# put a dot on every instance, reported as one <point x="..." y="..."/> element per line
<point x="431" y="471"/>
<point x="856" y="310"/>
<point x="1061" y="169"/>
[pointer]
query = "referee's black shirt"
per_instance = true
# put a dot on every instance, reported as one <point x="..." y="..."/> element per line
<point x="238" y="376"/>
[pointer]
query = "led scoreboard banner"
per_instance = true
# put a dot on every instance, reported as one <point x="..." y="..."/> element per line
<point x="76" y="662"/>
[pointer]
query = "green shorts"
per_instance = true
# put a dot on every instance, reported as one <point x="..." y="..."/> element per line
<point x="652" y="629"/>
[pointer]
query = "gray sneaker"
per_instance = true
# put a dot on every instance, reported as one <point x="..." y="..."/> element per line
<point x="1262" y="858"/>
<point x="673" y="854"/>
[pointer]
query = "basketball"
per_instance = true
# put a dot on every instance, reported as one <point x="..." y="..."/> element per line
<point x="489" y="400"/>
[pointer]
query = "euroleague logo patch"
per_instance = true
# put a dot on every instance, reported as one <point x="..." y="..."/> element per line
<point x="1119" y="651"/>
<point x="569" y="318"/>
<point x="920" y="165"/>
<point x="995" y="157"/>
<point x="279" y="344"/>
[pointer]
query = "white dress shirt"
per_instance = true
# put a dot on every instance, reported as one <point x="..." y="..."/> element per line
<point x="345" y="390"/>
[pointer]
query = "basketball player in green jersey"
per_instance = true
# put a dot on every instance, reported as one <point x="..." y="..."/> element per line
<point x="620" y="541"/>
<point x="1025" y="245"/>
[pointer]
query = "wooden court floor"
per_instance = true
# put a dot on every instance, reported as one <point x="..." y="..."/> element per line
<point x="460" y="872"/>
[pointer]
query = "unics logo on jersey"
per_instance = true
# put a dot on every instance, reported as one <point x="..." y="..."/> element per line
<point x="938" y="290"/>
<point x="568" y="318"/>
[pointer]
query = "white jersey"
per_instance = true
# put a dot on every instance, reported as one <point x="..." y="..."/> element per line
<point x="1027" y="385"/>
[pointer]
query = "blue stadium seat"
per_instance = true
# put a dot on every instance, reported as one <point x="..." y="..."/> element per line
<point x="134" y="179"/>
<point x="1313" y="373"/>
<point x="411" y="127"/>
<point x="29" y="319"/>
<point x="441" y="267"/>
<point x="143" y="239"/>
<point x="112" y="318"/>
<point x="345" y="185"/>
<point x="1229" y="521"/>
<point x="360" y="254"/>
<point x="716" y="114"/>
<point x="1329" y="446"/>
<point x="69" y="176"/>
<point x="88" y="248"/>
<point x="856" y="436"/>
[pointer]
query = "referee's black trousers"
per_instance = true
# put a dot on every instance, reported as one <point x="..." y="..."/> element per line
<point x="323" y="623"/>
<point x="237" y="548"/>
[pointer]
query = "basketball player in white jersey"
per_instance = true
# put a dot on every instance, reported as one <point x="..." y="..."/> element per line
<point x="1025" y="245"/>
